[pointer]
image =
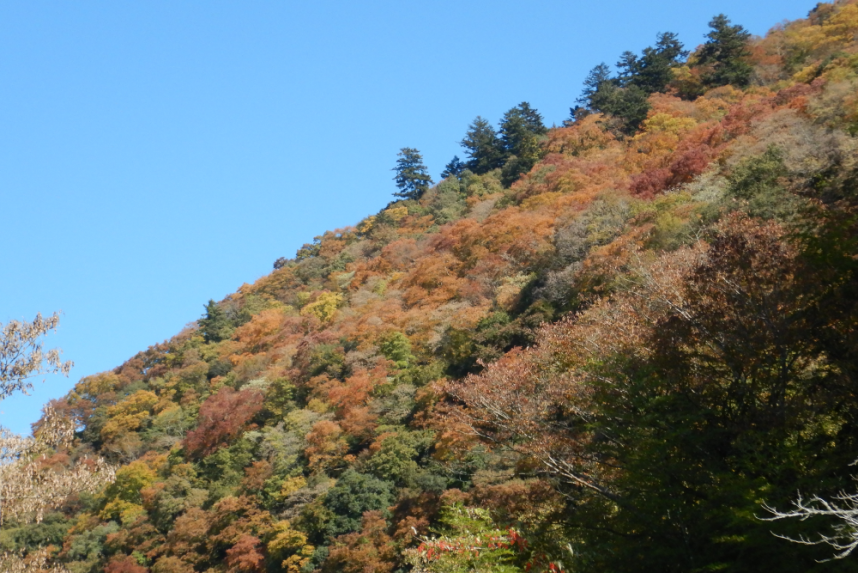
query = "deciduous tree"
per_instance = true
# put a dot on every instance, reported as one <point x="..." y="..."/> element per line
<point x="22" y="356"/>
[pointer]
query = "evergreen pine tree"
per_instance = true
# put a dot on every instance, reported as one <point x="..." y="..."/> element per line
<point x="520" y="130"/>
<point x="598" y="88"/>
<point x="484" y="149"/>
<point x="605" y="94"/>
<point x="454" y="168"/>
<point x="625" y="96"/>
<point x="628" y="68"/>
<point x="215" y="325"/>
<point x="412" y="178"/>
<point x="725" y="54"/>
<point x="652" y="71"/>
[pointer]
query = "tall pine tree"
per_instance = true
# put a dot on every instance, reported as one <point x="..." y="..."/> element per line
<point x="725" y="54"/>
<point x="652" y="70"/>
<point x="484" y="148"/>
<point x="520" y="130"/>
<point x="412" y="178"/>
<point x="454" y="168"/>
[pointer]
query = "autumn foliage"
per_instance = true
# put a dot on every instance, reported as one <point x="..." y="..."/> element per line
<point x="222" y="417"/>
<point x="606" y="355"/>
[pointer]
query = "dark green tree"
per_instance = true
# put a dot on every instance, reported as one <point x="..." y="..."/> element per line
<point x="725" y="54"/>
<point x="625" y="96"/>
<point x="605" y="94"/>
<point x="520" y="130"/>
<point x="454" y="168"/>
<point x="215" y="325"/>
<point x="484" y="148"/>
<point x="627" y="67"/>
<point x="412" y="178"/>
<point x="354" y="494"/>
<point x="652" y="71"/>
<point x="598" y="88"/>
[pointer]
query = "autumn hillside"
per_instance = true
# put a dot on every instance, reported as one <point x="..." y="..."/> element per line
<point x="606" y="346"/>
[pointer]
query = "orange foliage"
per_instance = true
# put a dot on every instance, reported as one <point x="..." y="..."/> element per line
<point x="262" y="332"/>
<point x="223" y="416"/>
<point x="245" y="556"/>
<point x="369" y="550"/>
<point x="326" y="445"/>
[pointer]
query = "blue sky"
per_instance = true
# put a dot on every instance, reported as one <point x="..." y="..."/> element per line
<point x="155" y="155"/>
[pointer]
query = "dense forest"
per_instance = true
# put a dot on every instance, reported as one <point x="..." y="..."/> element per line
<point x="624" y="344"/>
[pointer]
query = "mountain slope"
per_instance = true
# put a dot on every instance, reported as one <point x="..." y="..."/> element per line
<point x="668" y="308"/>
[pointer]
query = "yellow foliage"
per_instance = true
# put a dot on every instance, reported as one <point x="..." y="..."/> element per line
<point x="129" y="481"/>
<point x="396" y="213"/>
<point x="129" y="414"/>
<point x="666" y="123"/>
<point x="97" y="384"/>
<point x="122" y="511"/>
<point x="324" y="307"/>
<point x="837" y="32"/>
<point x="660" y="135"/>
<point x="291" y="485"/>
<point x="366" y="225"/>
<point x="537" y="201"/>
<point x="291" y="546"/>
<point x="317" y="406"/>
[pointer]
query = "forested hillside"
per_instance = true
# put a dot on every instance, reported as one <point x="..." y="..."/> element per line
<point x="616" y="345"/>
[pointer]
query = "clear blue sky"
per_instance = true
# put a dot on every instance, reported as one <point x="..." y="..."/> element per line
<point x="157" y="154"/>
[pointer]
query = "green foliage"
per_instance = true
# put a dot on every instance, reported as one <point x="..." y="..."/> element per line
<point x="651" y="72"/>
<point x="479" y="185"/>
<point x="397" y="347"/>
<point x="483" y="147"/>
<point x="86" y="548"/>
<point x="354" y="494"/>
<point x="725" y="54"/>
<point x="279" y="398"/>
<point x="394" y="461"/>
<point x="761" y="183"/>
<point x="625" y="96"/>
<point x="215" y="325"/>
<point x="466" y="351"/>
<point x="454" y="168"/>
<point x="411" y="178"/>
<point x="520" y="130"/>
<point x="50" y="531"/>
<point x="224" y="469"/>
<point x="396" y="458"/>
<point x="468" y="542"/>
<point x="447" y="202"/>
<point x="328" y="359"/>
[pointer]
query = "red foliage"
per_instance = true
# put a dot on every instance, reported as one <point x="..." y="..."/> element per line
<point x="126" y="564"/>
<point x="246" y="555"/>
<point x="650" y="183"/>
<point x="690" y="164"/>
<point x="223" y="416"/>
<point x="685" y="167"/>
